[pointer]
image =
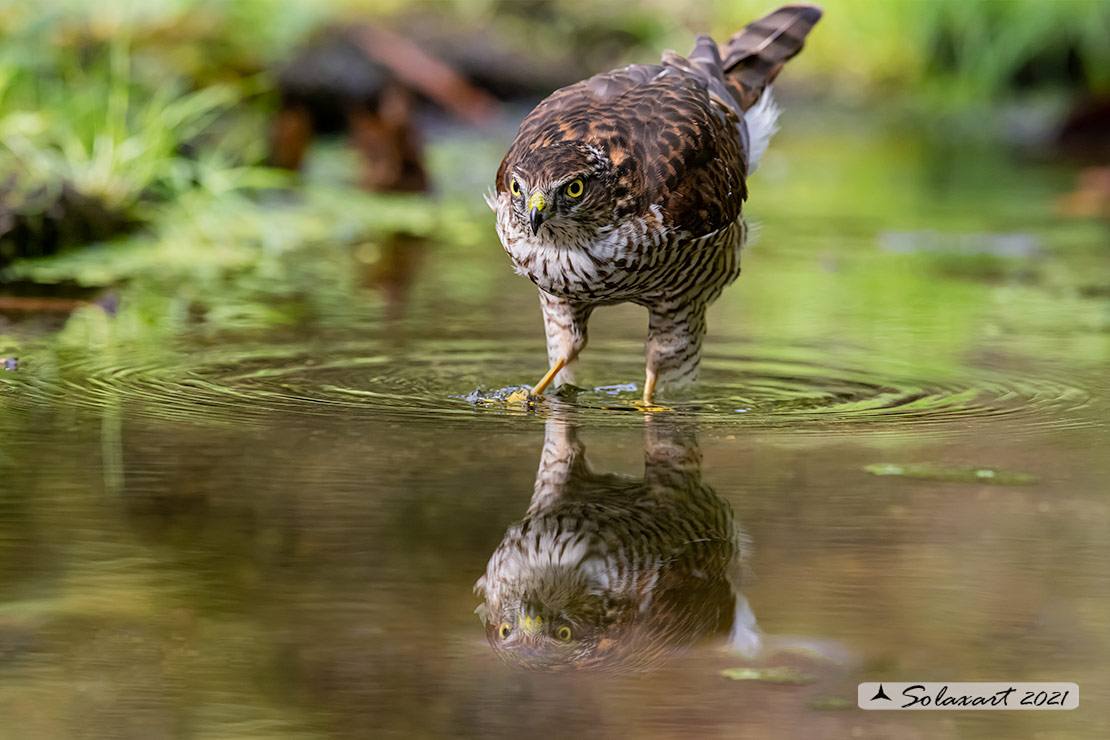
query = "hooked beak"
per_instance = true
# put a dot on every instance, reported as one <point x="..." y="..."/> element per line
<point x="536" y="208"/>
<point x="530" y="620"/>
<point x="530" y="625"/>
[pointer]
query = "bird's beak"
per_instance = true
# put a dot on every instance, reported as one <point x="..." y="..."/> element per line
<point x="536" y="214"/>
<point x="530" y="619"/>
<point x="531" y="625"/>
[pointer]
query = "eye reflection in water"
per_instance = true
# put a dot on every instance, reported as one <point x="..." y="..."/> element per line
<point x="607" y="572"/>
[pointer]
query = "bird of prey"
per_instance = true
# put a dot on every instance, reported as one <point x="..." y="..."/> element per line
<point x="628" y="187"/>
<point x="612" y="573"/>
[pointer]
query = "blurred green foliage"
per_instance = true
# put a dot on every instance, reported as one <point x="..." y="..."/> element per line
<point x="951" y="53"/>
<point x="158" y="110"/>
<point x="92" y="130"/>
<point x="98" y="130"/>
<point x="108" y="95"/>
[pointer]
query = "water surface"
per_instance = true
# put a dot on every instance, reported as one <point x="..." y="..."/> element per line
<point x="275" y="529"/>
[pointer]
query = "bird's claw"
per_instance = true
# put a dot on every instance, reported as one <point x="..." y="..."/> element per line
<point x="649" y="407"/>
<point x="641" y="406"/>
<point x="523" y="397"/>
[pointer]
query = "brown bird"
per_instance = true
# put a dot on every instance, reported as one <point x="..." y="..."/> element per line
<point x="607" y="572"/>
<point x="628" y="186"/>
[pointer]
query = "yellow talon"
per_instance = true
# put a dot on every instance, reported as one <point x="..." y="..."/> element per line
<point x="520" y="395"/>
<point x="529" y="397"/>
<point x="648" y="408"/>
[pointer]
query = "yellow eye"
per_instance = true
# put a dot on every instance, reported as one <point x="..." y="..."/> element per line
<point x="575" y="187"/>
<point x="514" y="186"/>
<point x="505" y="630"/>
<point x="563" y="634"/>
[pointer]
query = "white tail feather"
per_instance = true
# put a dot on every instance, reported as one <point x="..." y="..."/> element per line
<point x="762" y="121"/>
<point x="745" y="636"/>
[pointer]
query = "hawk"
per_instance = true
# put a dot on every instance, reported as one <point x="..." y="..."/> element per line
<point x="607" y="572"/>
<point x="628" y="187"/>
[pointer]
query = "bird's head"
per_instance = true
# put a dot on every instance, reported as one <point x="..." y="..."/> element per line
<point x="554" y="618"/>
<point x="566" y="186"/>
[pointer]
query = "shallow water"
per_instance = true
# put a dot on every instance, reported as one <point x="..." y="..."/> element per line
<point x="276" y="531"/>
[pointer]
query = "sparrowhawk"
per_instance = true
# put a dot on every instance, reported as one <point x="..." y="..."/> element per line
<point x="614" y="573"/>
<point x="628" y="187"/>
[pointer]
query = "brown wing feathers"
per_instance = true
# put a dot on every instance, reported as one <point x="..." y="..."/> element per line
<point x="754" y="55"/>
<point x="668" y="147"/>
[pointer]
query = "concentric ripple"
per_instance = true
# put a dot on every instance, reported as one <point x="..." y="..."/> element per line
<point x="801" y="388"/>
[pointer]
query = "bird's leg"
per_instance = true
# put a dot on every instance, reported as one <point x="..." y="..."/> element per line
<point x="672" y="457"/>
<point x="673" y="349"/>
<point x="562" y="463"/>
<point x="545" y="381"/>
<point x="564" y="322"/>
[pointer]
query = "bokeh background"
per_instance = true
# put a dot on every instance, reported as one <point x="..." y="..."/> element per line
<point x="123" y="117"/>
<point x="252" y="456"/>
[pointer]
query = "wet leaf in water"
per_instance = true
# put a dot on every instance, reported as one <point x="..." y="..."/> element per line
<point x="953" y="473"/>
<point x="828" y="703"/>
<point x="773" y="674"/>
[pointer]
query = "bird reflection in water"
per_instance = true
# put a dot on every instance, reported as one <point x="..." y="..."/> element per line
<point x="607" y="572"/>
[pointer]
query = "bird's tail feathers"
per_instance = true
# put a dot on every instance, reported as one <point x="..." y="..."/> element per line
<point x="762" y="120"/>
<point x="754" y="56"/>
